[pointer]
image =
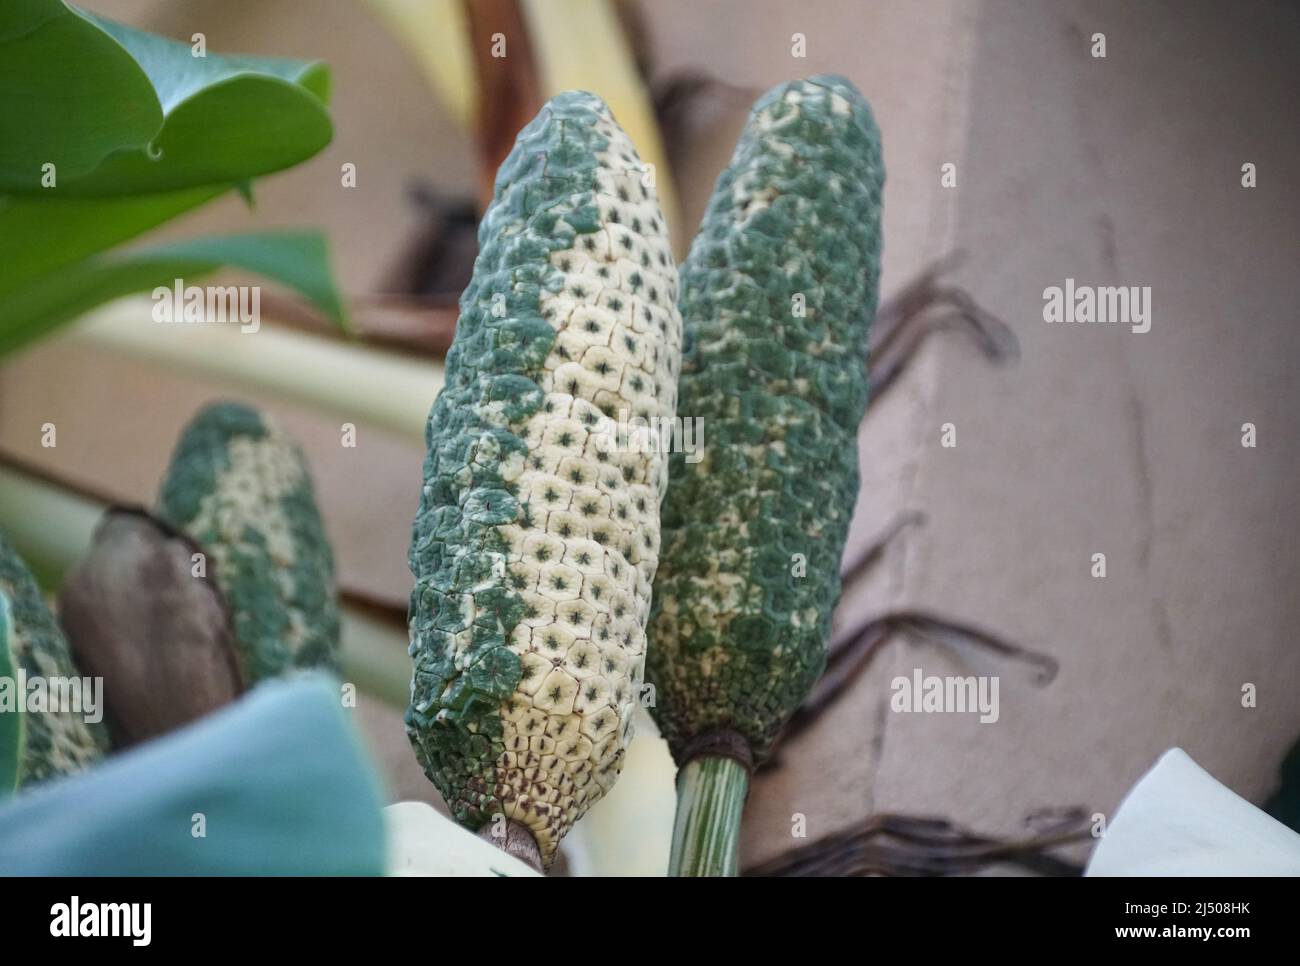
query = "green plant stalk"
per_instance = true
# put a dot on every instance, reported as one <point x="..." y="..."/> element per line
<point x="357" y="383"/>
<point x="51" y="528"/>
<point x="711" y="793"/>
<point x="374" y="657"/>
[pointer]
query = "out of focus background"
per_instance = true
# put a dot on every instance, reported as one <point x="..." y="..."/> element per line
<point x="1117" y="170"/>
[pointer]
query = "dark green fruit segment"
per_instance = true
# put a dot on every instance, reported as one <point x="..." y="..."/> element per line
<point x="537" y="539"/>
<point x="12" y="739"/>
<point x="239" y="486"/>
<point x="57" y="742"/>
<point x="778" y="294"/>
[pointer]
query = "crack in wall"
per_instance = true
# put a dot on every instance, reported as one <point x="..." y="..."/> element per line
<point x="1135" y="407"/>
<point x="1142" y="473"/>
<point x="877" y="747"/>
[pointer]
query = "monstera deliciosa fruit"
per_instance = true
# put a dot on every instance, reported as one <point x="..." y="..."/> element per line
<point x="778" y="294"/>
<point x="537" y="537"/>
<point x="48" y="741"/>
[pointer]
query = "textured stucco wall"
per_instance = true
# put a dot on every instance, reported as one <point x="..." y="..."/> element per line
<point x="1117" y="171"/>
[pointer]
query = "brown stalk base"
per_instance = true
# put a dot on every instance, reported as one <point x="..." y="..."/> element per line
<point x="722" y="743"/>
<point x="517" y="841"/>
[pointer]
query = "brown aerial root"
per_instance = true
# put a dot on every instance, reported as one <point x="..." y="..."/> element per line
<point x="904" y="321"/>
<point x="904" y="845"/>
<point x="851" y="653"/>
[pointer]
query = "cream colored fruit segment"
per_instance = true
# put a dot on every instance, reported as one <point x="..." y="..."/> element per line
<point x="585" y="564"/>
<point x="71" y="747"/>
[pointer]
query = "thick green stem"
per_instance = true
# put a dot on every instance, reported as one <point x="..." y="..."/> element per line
<point x="711" y="793"/>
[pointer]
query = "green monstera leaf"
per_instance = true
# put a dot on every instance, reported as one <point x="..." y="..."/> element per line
<point x="107" y="132"/>
<point x="298" y="260"/>
<point x="117" y="111"/>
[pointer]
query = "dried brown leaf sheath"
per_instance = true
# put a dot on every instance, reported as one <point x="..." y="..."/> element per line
<point x="159" y="637"/>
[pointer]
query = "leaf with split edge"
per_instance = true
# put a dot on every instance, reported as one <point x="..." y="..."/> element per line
<point x="298" y="260"/>
<point x="177" y="74"/>
<point x="239" y="128"/>
<point x="12" y="731"/>
<point x="164" y="119"/>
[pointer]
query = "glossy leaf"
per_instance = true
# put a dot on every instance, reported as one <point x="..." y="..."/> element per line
<point x="107" y="131"/>
<point x="69" y="94"/>
<point x="298" y="260"/>
<point x="38" y="235"/>
<point x="117" y="111"/>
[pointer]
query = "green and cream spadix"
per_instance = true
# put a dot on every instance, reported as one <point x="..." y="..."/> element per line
<point x="778" y="293"/>
<point x="537" y="536"/>
<point x="50" y="741"/>
<point x="239" y="486"/>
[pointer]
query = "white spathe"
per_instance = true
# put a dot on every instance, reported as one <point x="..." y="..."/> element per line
<point x="629" y="832"/>
<point x="421" y="841"/>
<point x="1179" y="821"/>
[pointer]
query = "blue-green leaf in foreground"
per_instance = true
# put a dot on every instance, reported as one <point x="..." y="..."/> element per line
<point x="117" y="111"/>
<point x="299" y="260"/>
<point x="279" y="780"/>
<point x="11" y="718"/>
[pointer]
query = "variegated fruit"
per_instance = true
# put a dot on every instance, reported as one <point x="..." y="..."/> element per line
<point x="537" y="536"/>
<point x="53" y="741"/>
<point x="778" y="293"/>
<point x="238" y="485"/>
